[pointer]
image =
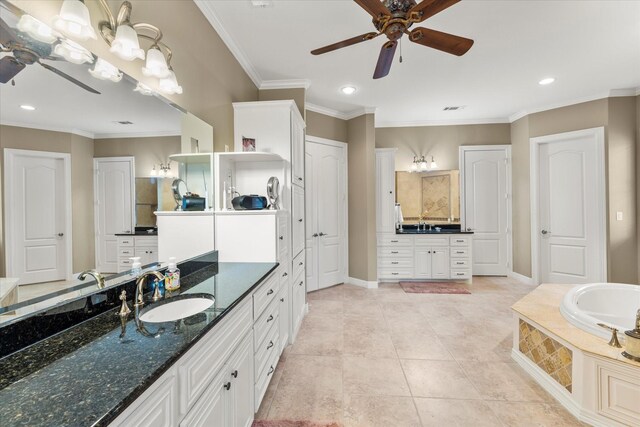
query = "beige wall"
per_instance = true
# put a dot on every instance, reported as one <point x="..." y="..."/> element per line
<point x="638" y="180"/>
<point x="521" y="218"/>
<point x="297" y="94"/>
<point x="210" y="75"/>
<point x="81" y="150"/>
<point x="324" y="126"/>
<point x="146" y="151"/>
<point x="362" y="203"/>
<point x="441" y="142"/>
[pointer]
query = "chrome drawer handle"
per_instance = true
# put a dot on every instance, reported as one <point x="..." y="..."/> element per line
<point x="270" y="318"/>
<point x="270" y="345"/>
<point x="270" y="292"/>
<point x="300" y="263"/>
<point x="300" y="220"/>
<point x="281" y="237"/>
<point x="459" y="274"/>
<point x="460" y="263"/>
<point x="459" y="241"/>
<point x="299" y="179"/>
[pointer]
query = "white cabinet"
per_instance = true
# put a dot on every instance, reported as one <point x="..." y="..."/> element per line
<point x="432" y="263"/>
<point x="247" y="236"/>
<point x="211" y="408"/>
<point x="184" y="234"/>
<point x="157" y="407"/>
<point x="298" y="294"/>
<point x="297" y="151"/>
<point x="283" y="315"/>
<point x="298" y="225"/>
<point x="145" y="247"/>
<point x="385" y="190"/>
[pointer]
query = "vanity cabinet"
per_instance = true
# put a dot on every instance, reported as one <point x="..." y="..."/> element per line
<point x="145" y="247"/>
<point x="432" y="263"/>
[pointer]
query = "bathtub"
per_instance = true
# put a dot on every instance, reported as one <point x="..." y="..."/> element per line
<point x="614" y="304"/>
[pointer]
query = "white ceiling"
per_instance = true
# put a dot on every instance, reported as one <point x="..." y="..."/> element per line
<point x="592" y="48"/>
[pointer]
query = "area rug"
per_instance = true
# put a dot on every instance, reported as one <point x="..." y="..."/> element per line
<point x="434" y="288"/>
<point x="289" y="423"/>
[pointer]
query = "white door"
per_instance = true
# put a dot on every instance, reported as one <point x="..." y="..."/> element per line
<point x="486" y="206"/>
<point x="114" y="207"/>
<point x="37" y="215"/>
<point x="326" y="202"/>
<point x="570" y="202"/>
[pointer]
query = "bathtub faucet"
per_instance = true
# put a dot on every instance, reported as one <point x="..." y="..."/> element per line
<point x="613" y="342"/>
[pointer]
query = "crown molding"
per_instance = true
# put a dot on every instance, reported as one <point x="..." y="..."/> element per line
<point x="137" y="134"/>
<point x="285" y="84"/>
<point x="458" y="122"/>
<point x="78" y="132"/>
<point x="207" y="10"/>
<point x="339" y="114"/>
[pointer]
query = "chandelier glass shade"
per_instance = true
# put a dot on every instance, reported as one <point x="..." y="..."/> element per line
<point x="74" y="20"/>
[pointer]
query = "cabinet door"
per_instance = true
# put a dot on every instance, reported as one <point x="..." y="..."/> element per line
<point x="439" y="263"/>
<point x="240" y="383"/>
<point x="283" y="316"/>
<point x="297" y="152"/>
<point x="423" y="263"/>
<point x="385" y="192"/>
<point x="211" y="408"/>
<point x="298" y="221"/>
<point x="157" y="409"/>
<point x="147" y="255"/>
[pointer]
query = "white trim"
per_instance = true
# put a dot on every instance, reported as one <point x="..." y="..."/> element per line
<point x="362" y="283"/>
<point x="49" y="128"/>
<point x="290" y="103"/>
<point x="9" y="158"/>
<point x="520" y="277"/>
<point x="509" y="188"/>
<point x="325" y="141"/>
<point x="535" y="143"/>
<point x="285" y="84"/>
<point x="339" y="114"/>
<point x="206" y="8"/>
<point x="453" y="122"/>
<point x="150" y="134"/>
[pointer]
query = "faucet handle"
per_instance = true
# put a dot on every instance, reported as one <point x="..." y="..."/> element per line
<point x="124" y="308"/>
<point x="613" y="342"/>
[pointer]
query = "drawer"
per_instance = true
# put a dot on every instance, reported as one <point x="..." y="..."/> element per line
<point x="264" y="295"/>
<point x="125" y="262"/>
<point x="423" y="241"/>
<point x="265" y="322"/>
<point x="392" y="263"/>
<point x="460" y="263"/>
<point x="146" y="240"/>
<point x="463" y="273"/>
<point x="298" y="264"/>
<point x="265" y="350"/>
<point x="125" y="241"/>
<point x="199" y="366"/>
<point x="395" y="273"/>
<point x="460" y="252"/>
<point x="460" y="240"/>
<point x="265" y="377"/>
<point x="127" y="251"/>
<point x="395" y="252"/>
<point x="393" y="240"/>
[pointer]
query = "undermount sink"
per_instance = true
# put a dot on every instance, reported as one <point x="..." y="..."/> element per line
<point x="176" y="308"/>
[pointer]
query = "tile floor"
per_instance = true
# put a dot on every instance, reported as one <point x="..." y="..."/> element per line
<point x="382" y="357"/>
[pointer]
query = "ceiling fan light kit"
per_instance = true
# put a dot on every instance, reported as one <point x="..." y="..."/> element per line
<point x="393" y="18"/>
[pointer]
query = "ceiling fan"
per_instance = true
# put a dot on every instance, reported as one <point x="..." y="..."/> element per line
<point x="24" y="51"/>
<point x="393" y="18"/>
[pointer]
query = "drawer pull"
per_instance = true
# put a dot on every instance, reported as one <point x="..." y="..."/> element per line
<point x="234" y="374"/>
<point x="270" y="318"/>
<point x="394" y="241"/>
<point x="394" y="252"/>
<point x="459" y="241"/>
<point x="285" y="274"/>
<point x="299" y="179"/>
<point x="270" y="292"/>
<point x="459" y="252"/>
<point x="459" y="274"/>
<point x="300" y="284"/>
<point x="281" y="237"/>
<point x="270" y="370"/>
<point x="300" y="263"/>
<point x="227" y="386"/>
<point x="300" y="220"/>
<point x="394" y="262"/>
<point x="270" y="345"/>
<point x="460" y="262"/>
<point x="394" y="274"/>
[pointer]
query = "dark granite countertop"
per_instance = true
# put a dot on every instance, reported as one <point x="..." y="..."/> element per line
<point x="443" y="231"/>
<point x="106" y="364"/>
<point x="139" y="233"/>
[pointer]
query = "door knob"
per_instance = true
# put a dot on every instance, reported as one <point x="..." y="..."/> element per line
<point x="60" y="234"/>
<point x="544" y="232"/>
<point x="314" y="235"/>
<point x="321" y="234"/>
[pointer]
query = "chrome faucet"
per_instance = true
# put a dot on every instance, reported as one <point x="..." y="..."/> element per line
<point x="93" y="273"/>
<point x="140" y="284"/>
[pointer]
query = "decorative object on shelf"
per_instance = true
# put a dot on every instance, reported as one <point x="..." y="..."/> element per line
<point x="123" y="37"/>
<point x="248" y="144"/>
<point x="251" y="202"/>
<point x="273" y="192"/>
<point x="179" y="189"/>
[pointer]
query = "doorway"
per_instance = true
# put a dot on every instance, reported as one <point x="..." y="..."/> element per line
<point x="326" y="210"/>
<point x="114" y="194"/>
<point x="485" y="206"/>
<point x="568" y="200"/>
<point x="37" y="188"/>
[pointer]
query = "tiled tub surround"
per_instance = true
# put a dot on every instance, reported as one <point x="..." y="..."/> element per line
<point x="96" y="378"/>
<point x="604" y="386"/>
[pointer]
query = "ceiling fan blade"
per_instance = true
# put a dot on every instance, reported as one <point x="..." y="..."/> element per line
<point x="7" y="35"/>
<point x="68" y="77"/>
<point x="9" y="67"/>
<point x="427" y="8"/>
<point x="445" y="42"/>
<point x="385" y="59"/>
<point x="374" y="7"/>
<point x="345" y="43"/>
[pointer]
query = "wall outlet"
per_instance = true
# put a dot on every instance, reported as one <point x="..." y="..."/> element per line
<point x="619" y="216"/>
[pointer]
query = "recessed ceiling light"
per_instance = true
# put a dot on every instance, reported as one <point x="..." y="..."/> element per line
<point x="348" y="90"/>
<point x="28" y="107"/>
<point x="546" y="81"/>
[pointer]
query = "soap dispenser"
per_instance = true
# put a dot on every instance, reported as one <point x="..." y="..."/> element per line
<point x="172" y="276"/>
<point x="136" y="266"/>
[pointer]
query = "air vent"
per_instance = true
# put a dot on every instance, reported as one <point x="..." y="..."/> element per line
<point x="453" y="108"/>
<point x="123" y="122"/>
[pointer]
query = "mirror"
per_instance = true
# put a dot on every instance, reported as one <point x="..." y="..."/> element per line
<point x="432" y="196"/>
<point x="81" y="138"/>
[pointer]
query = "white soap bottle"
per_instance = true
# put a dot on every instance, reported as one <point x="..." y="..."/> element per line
<point x="172" y="276"/>
<point x="136" y="266"/>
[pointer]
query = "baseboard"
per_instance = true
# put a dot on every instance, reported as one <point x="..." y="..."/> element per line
<point x="362" y="283"/>
<point x="520" y="277"/>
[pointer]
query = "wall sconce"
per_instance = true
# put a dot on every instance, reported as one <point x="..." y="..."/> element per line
<point x="123" y="37"/>
<point x="420" y="164"/>
<point x="163" y="170"/>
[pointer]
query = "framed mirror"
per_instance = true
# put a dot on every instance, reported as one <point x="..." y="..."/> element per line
<point x="433" y="197"/>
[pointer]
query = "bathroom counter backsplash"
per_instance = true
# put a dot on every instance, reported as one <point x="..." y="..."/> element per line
<point x="89" y="373"/>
